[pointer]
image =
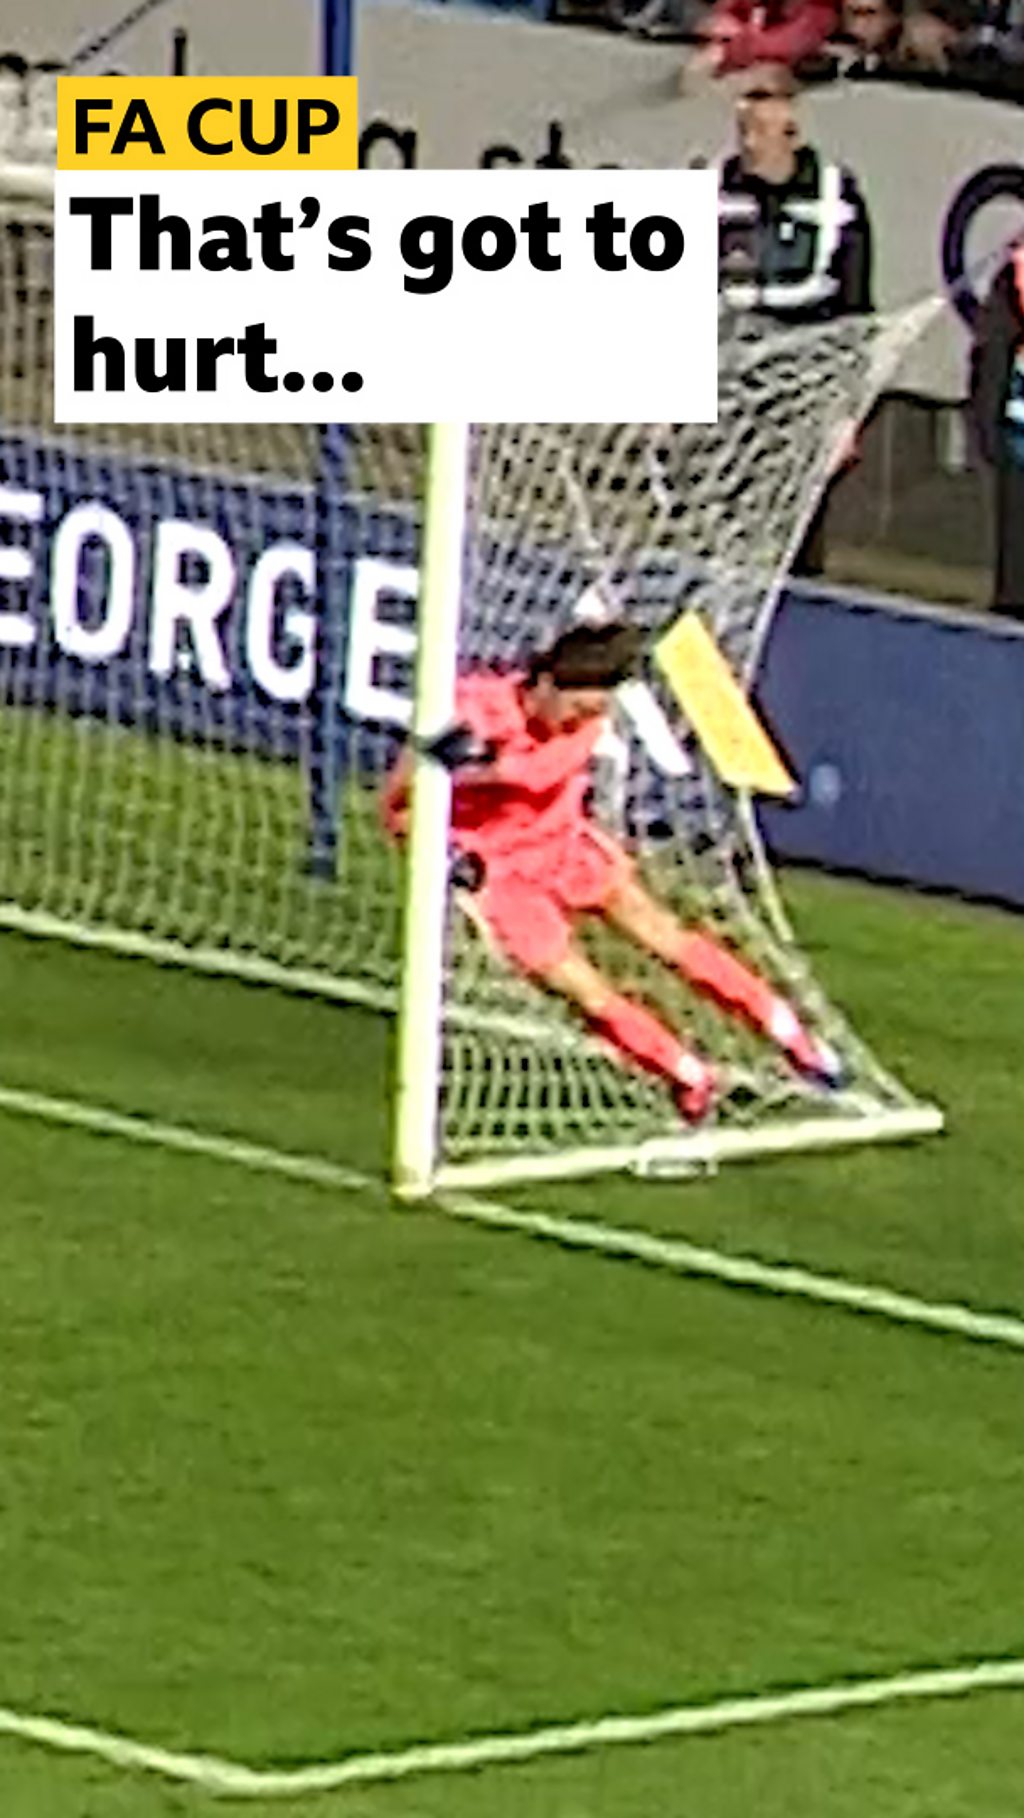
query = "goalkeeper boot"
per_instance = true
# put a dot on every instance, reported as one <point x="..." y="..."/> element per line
<point x="823" y="1066"/>
<point x="815" y="1059"/>
<point x="696" y="1089"/>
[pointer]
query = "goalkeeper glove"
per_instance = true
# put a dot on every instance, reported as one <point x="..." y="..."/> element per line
<point x="467" y="872"/>
<point x="459" y="748"/>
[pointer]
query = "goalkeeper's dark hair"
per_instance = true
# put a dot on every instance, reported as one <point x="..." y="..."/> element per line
<point x="589" y="656"/>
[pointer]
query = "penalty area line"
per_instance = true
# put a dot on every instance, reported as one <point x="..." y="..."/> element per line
<point x="235" y="1780"/>
<point x="616" y="1243"/>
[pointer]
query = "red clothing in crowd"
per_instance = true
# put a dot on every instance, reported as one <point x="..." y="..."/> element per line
<point x="769" y="31"/>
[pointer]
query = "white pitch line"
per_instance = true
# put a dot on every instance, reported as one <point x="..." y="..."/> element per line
<point x="98" y="1120"/>
<point x="682" y="1258"/>
<point x="674" y="1255"/>
<point x="234" y="1779"/>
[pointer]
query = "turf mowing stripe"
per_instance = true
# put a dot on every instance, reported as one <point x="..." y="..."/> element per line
<point x="675" y="1255"/>
<point x="234" y="1779"/>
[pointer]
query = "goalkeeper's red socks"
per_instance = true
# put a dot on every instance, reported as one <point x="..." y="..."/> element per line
<point x="636" y="1033"/>
<point x="715" y="971"/>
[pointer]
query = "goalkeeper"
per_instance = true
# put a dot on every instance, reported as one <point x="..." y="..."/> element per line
<point x="520" y="755"/>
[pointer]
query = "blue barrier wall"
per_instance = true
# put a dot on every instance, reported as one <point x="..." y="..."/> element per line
<point x="906" y="727"/>
<point x="904" y="724"/>
<point x="248" y="518"/>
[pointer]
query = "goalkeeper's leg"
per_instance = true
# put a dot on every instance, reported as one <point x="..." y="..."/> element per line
<point x="532" y="922"/>
<point x="711" y="969"/>
<point x="632" y="1030"/>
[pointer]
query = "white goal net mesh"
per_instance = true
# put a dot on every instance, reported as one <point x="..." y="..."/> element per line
<point x="205" y="668"/>
<point x="648" y="522"/>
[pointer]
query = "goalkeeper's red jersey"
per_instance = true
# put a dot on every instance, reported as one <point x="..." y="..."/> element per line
<point x="534" y="800"/>
<point x="533" y="804"/>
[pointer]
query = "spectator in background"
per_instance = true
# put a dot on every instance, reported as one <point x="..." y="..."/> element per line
<point x="871" y="30"/>
<point x="950" y="44"/>
<point x="662" y="18"/>
<point x="933" y="43"/>
<point x="13" y="71"/>
<point x="966" y="44"/>
<point x="867" y="43"/>
<point x="937" y="35"/>
<point x="997" y="409"/>
<point x="794" y="234"/>
<point x="741" y="33"/>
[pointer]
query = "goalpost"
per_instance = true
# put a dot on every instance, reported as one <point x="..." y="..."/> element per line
<point x="528" y="526"/>
<point x="206" y="642"/>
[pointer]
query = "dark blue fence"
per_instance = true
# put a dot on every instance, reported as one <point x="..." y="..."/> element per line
<point x="906" y="726"/>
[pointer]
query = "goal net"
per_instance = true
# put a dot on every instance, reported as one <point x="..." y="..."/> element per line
<point x="206" y="646"/>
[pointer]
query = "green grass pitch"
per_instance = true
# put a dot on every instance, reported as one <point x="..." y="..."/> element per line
<point x="289" y="1473"/>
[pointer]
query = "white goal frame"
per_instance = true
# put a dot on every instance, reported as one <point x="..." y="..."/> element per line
<point x="419" y="1169"/>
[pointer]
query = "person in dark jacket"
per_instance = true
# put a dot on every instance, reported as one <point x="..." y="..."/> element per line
<point x="997" y="409"/>
<point x="866" y="46"/>
<point x="932" y="44"/>
<point x="794" y="235"/>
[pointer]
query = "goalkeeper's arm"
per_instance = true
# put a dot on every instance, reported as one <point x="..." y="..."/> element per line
<point x="528" y="768"/>
<point x="458" y="748"/>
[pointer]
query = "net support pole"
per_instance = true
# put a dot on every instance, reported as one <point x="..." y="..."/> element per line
<point x="422" y="993"/>
<point x="328" y="741"/>
<point x="336" y="33"/>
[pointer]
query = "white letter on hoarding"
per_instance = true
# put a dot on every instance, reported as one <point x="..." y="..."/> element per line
<point x="17" y="631"/>
<point x="92" y="523"/>
<point x="177" y="602"/>
<point x="371" y="637"/>
<point x="291" y="682"/>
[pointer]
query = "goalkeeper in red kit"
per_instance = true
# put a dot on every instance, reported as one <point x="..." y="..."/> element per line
<point x="520" y="755"/>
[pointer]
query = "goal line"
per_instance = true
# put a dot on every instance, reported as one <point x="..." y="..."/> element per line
<point x="675" y="1255"/>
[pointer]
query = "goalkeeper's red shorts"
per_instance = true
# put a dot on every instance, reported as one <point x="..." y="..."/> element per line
<point x="529" y="907"/>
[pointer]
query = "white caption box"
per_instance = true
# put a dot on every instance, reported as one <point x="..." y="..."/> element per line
<point x="519" y="344"/>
